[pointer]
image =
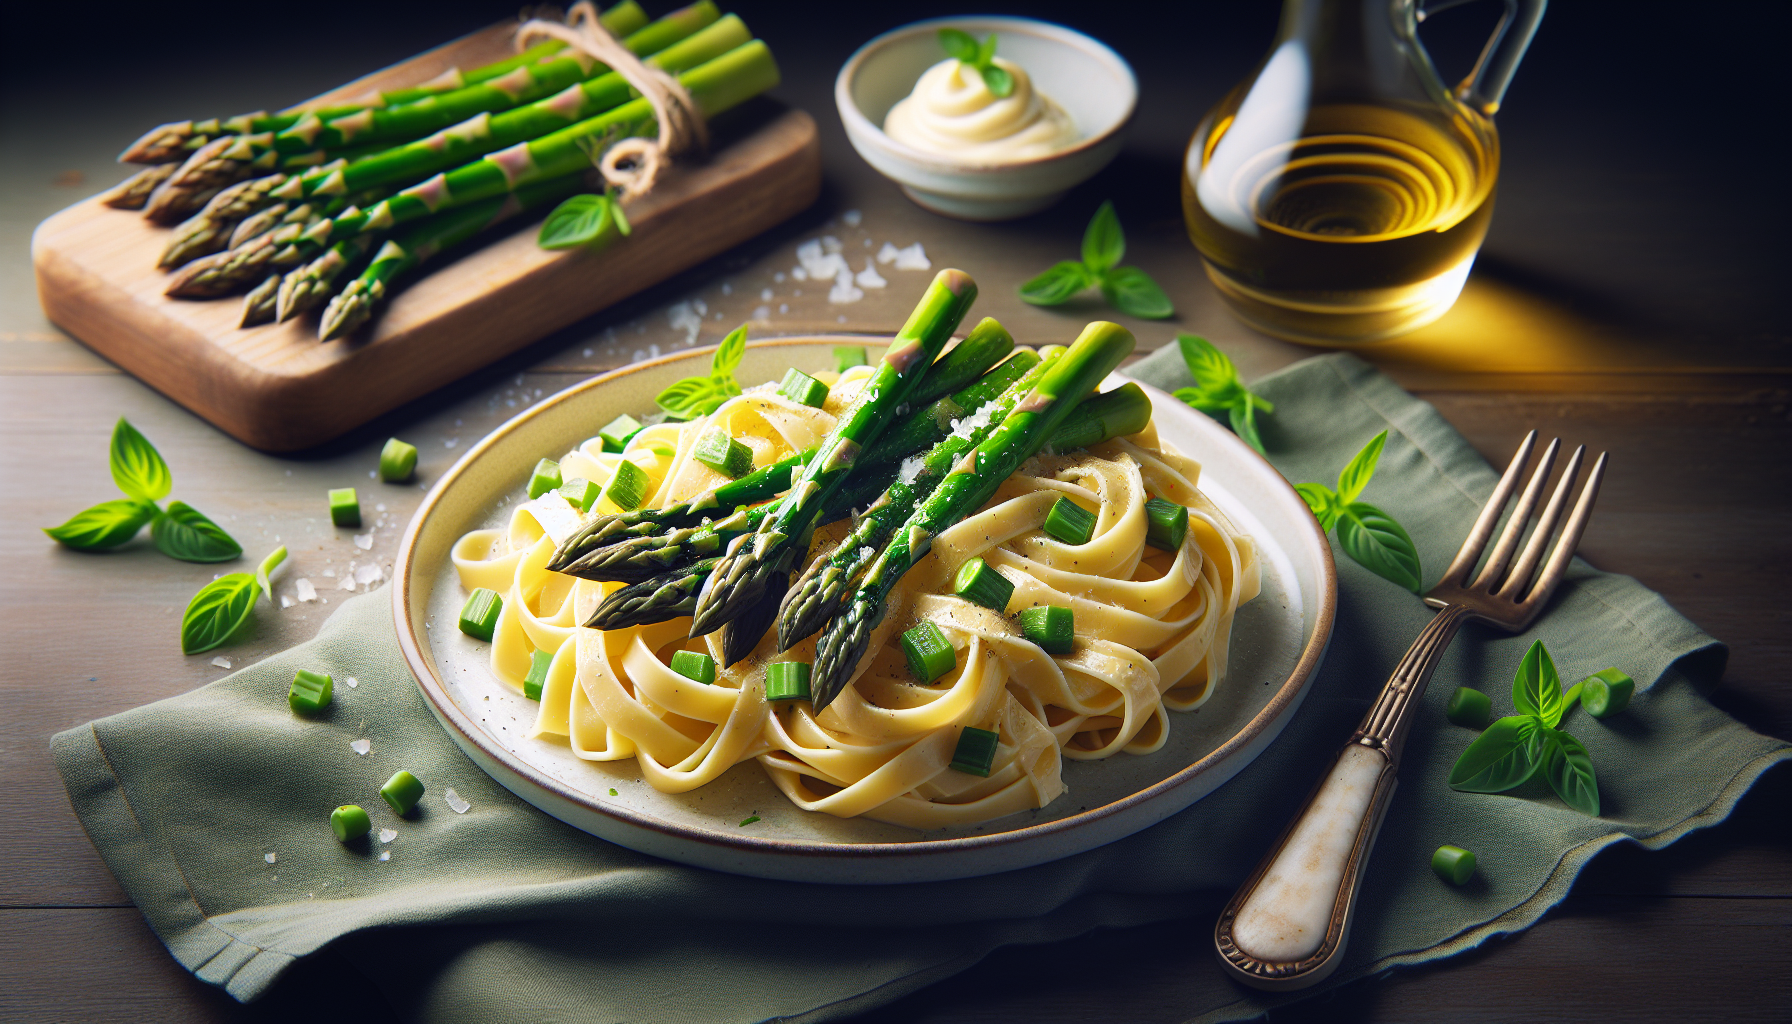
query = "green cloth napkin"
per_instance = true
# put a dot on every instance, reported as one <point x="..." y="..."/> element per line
<point x="211" y="807"/>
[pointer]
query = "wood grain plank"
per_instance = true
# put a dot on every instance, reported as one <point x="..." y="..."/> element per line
<point x="277" y="388"/>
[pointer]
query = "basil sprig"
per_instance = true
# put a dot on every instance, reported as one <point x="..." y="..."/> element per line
<point x="583" y="220"/>
<point x="225" y="605"/>
<point x="139" y="470"/>
<point x="1368" y="535"/>
<point x="1516" y="747"/>
<point x="1127" y="289"/>
<point x="1218" y="389"/>
<point x="700" y="396"/>
<point x="979" y="57"/>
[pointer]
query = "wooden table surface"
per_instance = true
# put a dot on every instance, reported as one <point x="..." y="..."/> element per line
<point x="1631" y="297"/>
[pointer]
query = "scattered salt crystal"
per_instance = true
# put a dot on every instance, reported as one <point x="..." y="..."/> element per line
<point x="372" y="474"/>
<point x="778" y="277"/>
<point x="271" y="858"/>
<point x="387" y="835"/>
<point x="221" y="661"/>
<point x="852" y="218"/>
<point x="381" y="507"/>
<point x="887" y="254"/>
<point x="385" y="855"/>
<point x="799" y="273"/>
<point x="305" y="590"/>
<point x="652" y="350"/>
<point x="830" y="244"/>
<point x="330" y="572"/>
<point x="727" y="289"/>
<point x="348" y="579"/>
<point x="913" y="258"/>
<point x="783" y="307"/>
<point x="844" y="291"/>
<point x="370" y="573"/>
<point x="840" y="319"/>
<point x="360" y="747"/>
<point x="762" y="312"/>
<point x="869" y="277"/>
<point x="911" y="468"/>
<point x="587" y="353"/>
<point x="352" y="682"/>
<point x="450" y="442"/>
<point x="364" y="541"/>
<point x="765" y="295"/>
<point x="682" y="317"/>
<point x="285" y="601"/>
<point x="455" y="803"/>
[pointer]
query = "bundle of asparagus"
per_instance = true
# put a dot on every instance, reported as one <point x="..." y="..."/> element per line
<point x="329" y="207"/>
<point x="725" y="557"/>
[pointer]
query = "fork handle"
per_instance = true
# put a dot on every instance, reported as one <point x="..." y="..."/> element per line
<point x="1288" y="923"/>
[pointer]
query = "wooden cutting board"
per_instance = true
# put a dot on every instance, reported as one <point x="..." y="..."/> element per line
<point x="277" y="388"/>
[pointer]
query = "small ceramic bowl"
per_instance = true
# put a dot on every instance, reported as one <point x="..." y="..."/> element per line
<point x="1091" y="82"/>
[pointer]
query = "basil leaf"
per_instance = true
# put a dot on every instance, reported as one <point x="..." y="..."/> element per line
<point x="265" y="571"/>
<point x="987" y="51"/>
<point x="1244" y="424"/>
<point x="1210" y="399"/>
<point x="690" y="397"/>
<point x="1131" y="291"/>
<point x="137" y="467"/>
<point x="1355" y="476"/>
<point x="106" y="525"/>
<point x="1536" y="688"/>
<point x="1208" y="365"/>
<point x="214" y="614"/>
<point x="1503" y="756"/>
<point x="959" y="44"/>
<point x="1103" y="241"/>
<point x="578" y="221"/>
<point x="1322" y="502"/>
<point x="729" y="353"/>
<point x="1569" y="769"/>
<point x="1372" y="538"/>
<point x="1057" y="285"/>
<point x="185" y="533"/>
<point x="999" y="81"/>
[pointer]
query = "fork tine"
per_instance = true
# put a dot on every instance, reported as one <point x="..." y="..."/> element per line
<point x="1520" y="577"/>
<point x="1557" y="566"/>
<point x="1521" y="514"/>
<point x="1466" y="558"/>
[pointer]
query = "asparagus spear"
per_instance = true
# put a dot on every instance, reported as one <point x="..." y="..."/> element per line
<point x="258" y="223"/>
<point x="358" y="302"/>
<point x="311" y="285"/>
<point x="259" y="305"/>
<point x="1096" y="353"/>
<point x="666" y="596"/>
<point x="524" y="85"/>
<point x="987" y="344"/>
<point x="171" y="142"/>
<point x="134" y="191"/>
<point x="208" y="230"/>
<point x="703" y="61"/>
<point x="929" y="424"/>
<point x="824" y="587"/>
<point x="751" y="562"/>
<point x="283" y="247"/>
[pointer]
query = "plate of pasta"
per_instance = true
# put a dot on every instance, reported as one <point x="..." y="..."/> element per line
<point x="1083" y="639"/>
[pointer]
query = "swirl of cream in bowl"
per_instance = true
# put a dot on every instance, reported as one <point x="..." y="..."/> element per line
<point x="952" y="113"/>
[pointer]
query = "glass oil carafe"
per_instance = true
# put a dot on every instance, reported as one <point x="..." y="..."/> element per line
<point x="1339" y="194"/>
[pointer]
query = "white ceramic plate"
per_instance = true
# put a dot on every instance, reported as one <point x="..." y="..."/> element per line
<point x="1277" y="643"/>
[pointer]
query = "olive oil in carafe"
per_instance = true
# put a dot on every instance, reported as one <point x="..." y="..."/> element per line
<point x="1358" y="222"/>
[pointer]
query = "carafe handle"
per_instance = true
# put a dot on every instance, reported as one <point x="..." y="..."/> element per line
<point x="1486" y="85"/>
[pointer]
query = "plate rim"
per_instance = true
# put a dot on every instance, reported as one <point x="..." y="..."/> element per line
<point x="449" y="714"/>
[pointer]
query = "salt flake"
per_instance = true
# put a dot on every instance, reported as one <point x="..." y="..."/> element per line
<point x="887" y="254"/>
<point x="843" y="291"/>
<point x="305" y="589"/>
<point x="455" y="802"/>
<point x="221" y="661"/>
<point x="913" y="258"/>
<point x="364" y="541"/>
<point x="682" y="317"/>
<point x="370" y="573"/>
<point x="387" y="835"/>
<point x="271" y="858"/>
<point x="869" y="277"/>
<point x="360" y="746"/>
<point x="285" y="601"/>
<point x="385" y="855"/>
<point x="852" y="218"/>
<point x="352" y="682"/>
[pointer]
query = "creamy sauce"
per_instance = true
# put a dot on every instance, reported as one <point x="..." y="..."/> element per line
<point x="952" y="113"/>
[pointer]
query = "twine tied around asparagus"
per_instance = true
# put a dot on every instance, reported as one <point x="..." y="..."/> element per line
<point x="632" y="164"/>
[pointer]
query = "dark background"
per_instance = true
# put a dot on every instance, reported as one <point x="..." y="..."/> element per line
<point x="1643" y="179"/>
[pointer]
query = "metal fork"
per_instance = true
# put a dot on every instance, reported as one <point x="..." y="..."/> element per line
<point x="1287" y="925"/>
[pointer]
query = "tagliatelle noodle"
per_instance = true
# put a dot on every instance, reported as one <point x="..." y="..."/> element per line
<point x="1152" y="628"/>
